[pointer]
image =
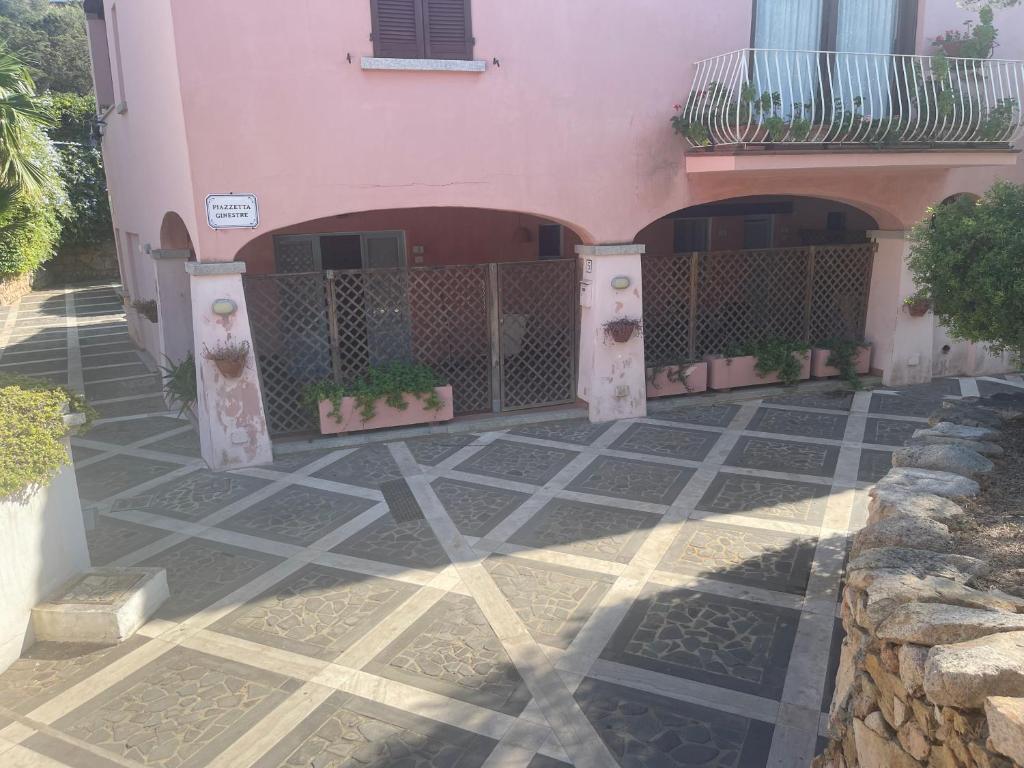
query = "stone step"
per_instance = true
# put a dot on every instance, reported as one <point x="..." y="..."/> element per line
<point x="101" y="605"/>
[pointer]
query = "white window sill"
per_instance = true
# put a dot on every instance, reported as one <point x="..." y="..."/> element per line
<point x="424" y="65"/>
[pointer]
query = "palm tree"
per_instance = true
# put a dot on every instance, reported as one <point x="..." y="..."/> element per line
<point x="22" y="117"/>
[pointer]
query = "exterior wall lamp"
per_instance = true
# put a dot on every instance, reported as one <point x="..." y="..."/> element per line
<point x="621" y="283"/>
<point x="224" y="307"/>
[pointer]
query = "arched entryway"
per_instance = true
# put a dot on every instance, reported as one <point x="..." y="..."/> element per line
<point x="174" y="294"/>
<point x="739" y="271"/>
<point x="488" y="299"/>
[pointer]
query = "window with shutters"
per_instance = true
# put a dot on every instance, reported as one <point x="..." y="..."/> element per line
<point x="422" y="29"/>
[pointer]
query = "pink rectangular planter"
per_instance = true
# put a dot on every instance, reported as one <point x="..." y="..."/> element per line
<point x="661" y="385"/>
<point x="386" y="416"/>
<point x="820" y="369"/>
<point x="732" y="372"/>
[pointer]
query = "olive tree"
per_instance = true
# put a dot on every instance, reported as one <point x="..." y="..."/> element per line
<point x="967" y="256"/>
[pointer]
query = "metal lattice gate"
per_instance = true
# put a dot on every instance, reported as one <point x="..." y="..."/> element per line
<point x="704" y="303"/>
<point x="503" y="335"/>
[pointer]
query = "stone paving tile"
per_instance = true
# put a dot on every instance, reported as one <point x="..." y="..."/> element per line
<point x="517" y="461"/>
<point x="669" y="442"/>
<point x="989" y="388"/>
<point x="722" y="641"/>
<point x="153" y="404"/>
<point x="644" y="729"/>
<point x="838" y="400"/>
<point x="433" y="450"/>
<point x="193" y="496"/>
<point x="889" y="431"/>
<point x="784" y="456"/>
<point x="201" y="572"/>
<point x="297" y="515"/>
<point x="452" y="650"/>
<point x="476" y="509"/>
<point x="766" y="498"/>
<point x="554" y="601"/>
<point x="109" y="358"/>
<point x="182" y="444"/>
<point x="79" y="454"/>
<point x="799" y="423"/>
<point x="366" y="467"/>
<point x="904" y="405"/>
<point x="48" y="669"/>
<point x="575" y="431"/>
<point x="750" y="556"/>
<point x="588" y="530"/>
<point x="543" y="761"/>
<point x="704" y="415"/>
<point x="117" y="474"/>
<point x="317" y="611"/>
<point x="412" y="544"/>
<point x="347" y="731"/>
<point x="291" y="462"/>
<point x="34" y="369"/>
<point x="181" y="709"/>
<point x="112" y="539"/>
<point x="874" y="465"/>
<point x="111" y="389"/>
<point x="121" y="433"/>
<point x="632" y="479"/>
<point x="115" y="372"/>
<point x="835" y="650"/>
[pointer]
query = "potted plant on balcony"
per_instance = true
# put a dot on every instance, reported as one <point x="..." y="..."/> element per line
<point x="771" y="361"/>
<point x="230" y="357"/>
<point x="681" y="378"/>
<point x="918" y="304"/>
<point x="146" y="308"/>
<point x="621" y="329"/>
<point x="392" y="395"/>
<point x="841" y="357"/>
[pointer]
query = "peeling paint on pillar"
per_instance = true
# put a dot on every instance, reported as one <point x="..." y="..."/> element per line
<point x="227" y="407"/>
<point x="608" y="368"/>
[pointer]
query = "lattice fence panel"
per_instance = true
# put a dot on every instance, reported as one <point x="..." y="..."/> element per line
<point x="373" y="319"/>
<point x="537" y="302"/>
<point x="288" y="314"/>
<point x="450" y="330"/>
<point x="295" y="255"/>
<point x="749" y="296"/>
<point x="666" y="281"/>
<point x="842" y="280"/>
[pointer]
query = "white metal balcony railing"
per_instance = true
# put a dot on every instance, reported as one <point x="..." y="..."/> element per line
<point x="758" y="96"/>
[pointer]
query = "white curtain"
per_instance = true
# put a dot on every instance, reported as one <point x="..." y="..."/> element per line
<point x="865" y="27"/>
<point x="791" y="31"/>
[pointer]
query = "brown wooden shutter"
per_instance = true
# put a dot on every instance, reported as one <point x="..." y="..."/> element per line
<point x="448" y="31"/>
<point x="397" y="28"/>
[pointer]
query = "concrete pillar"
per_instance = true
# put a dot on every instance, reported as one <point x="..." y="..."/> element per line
<point x="174" y="298"/>
<point x="612" y="378"/>
<point x="232" y="423"/>
<point x="902" y="344"/>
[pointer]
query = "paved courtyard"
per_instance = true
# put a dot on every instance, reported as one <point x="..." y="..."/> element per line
<point x="649" y="593"/>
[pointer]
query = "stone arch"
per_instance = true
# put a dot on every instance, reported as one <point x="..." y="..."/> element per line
<point x="174" y="234"/>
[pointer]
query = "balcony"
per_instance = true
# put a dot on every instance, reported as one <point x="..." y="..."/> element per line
<point x="925" y="110"/>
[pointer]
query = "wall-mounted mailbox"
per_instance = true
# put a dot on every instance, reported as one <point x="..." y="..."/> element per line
<point x="586" y="293"/>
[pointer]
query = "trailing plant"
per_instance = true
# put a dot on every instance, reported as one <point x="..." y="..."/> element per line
<point x="180" y="383"/>
<point x="227" y="351"/>
<point x="146" y="308"/>
<point x="918" y="303"/>
<point x="32" y="431"/>
<point x="675" y="373"/>
<point x="390" y="383"/>
<point x="843" y="357"/>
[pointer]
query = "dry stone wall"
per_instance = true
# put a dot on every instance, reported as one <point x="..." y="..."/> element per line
<point x="932" y="667"/>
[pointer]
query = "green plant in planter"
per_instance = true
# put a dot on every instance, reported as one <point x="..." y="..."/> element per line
<point x="147" y="308"/>
<point x="180" y="383"/>
<point x="390" y="382"/>
<point x="32" y="431"/>
<point x="680" y="375"/>
<point x="779" y="356"/>
<point x="843" y="357"/>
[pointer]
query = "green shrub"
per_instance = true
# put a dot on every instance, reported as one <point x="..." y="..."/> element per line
<point x="779" y="356"/>
<point x="390" y="382"/>
<point x="180" y="382"/>
<point x="843" y="357"/>
<point x="968" y="258"/>
<point x="32" y="431"/>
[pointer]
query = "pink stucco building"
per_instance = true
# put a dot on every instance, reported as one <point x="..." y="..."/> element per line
<point x="460" y="181"/>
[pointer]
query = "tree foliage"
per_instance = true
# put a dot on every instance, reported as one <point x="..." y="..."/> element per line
<point x="968" y="256"/>
<point x="50" y="38"/>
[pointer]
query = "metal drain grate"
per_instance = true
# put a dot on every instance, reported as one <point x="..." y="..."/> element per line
<point x="401" y="502"/>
